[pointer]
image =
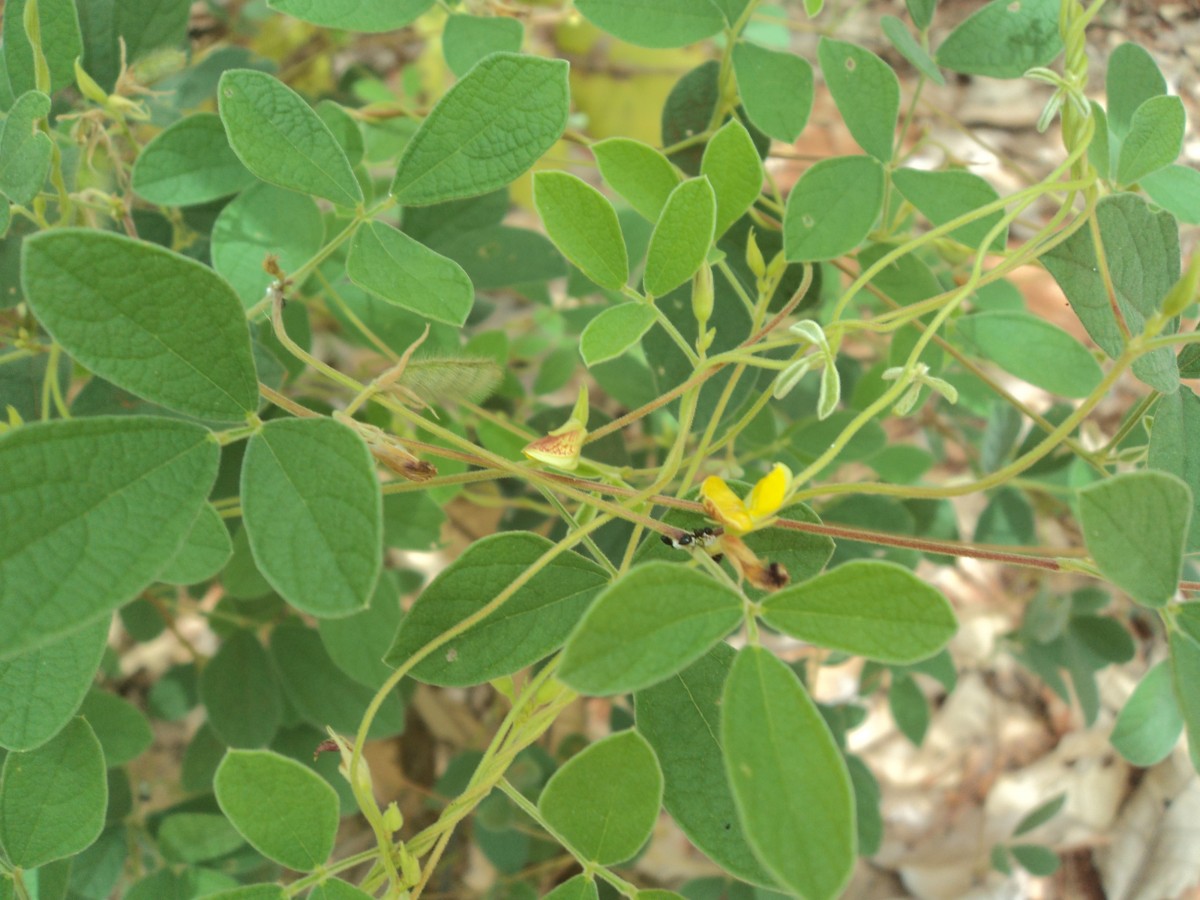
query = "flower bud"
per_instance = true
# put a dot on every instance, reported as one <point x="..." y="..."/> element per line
<point x="702" y="295"/>
<point x="754" y="257"/>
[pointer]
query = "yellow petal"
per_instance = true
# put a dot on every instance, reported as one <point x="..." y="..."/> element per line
<point x="724" y="505"/>
<point x="768" y="494"/>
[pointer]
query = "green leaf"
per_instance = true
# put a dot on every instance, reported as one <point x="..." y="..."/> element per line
<point x="682" y="236"/>
<point x="1033" y="350"/>
<point x="241" y="692"/>
<point x="532" y="623"/>
<point x="646" y="626"/>
<point x="468" y="39"/>
<point x="1035" y="859"/>
<point x="867" y="94"/>
<point x="944" y="196"/>
<point x="1185" y="675"/>
<point x="583" y="226"/>
<point x="90" y="511"/>
<point x="1132" y="79"/>
<point x="336" y="889"/>
<point x="1155" y="139"/>
<point x="41" y="689"/>
<point x="284" y="810"/>
<point x="832" y="208"/>
<point x="122" y="730"/>
<point x="264" y="220"/>
<point x="681" y="718"/>
<point x="638" y="172"/>
<point x="734" y="171"/>
<point x="37" y="786"/>
<point x="784" y="765"/>
<point x="664" y="23"/>
<point x="1177" y="190"/>
<point x="1151" y="721"/>
<point x="614" y="331"/>
<point x="144" y="27"/>
<point x="908" y="47"/>
<point x="580" y="887"/>
<point x="1173" y="440"/>
<point x="314" y="515"/>
<point x="501" y="256"/>
<point x="250" y="892"/>
<point x="204" y="552"/>
<point x="1135" y="526"/>
<point x="1041" y="815"/>
<point x="323" y="694"/>
<point x="358" y="643"/>
<point x="604" y="801"/>
<point x="1141" y="248"/>
<point x="1004" y="39"/>
<point x="466" y="145"/>
<point x="355" y="15"/>
<point x="875" y="609"/>
<point x="190" y="162"/>
<point x="195" y="837"/>
<point x="776" y="88"/>
<point x="909" y="708"/>
<point x="344" y="127"/>
<point x="402" y="271"/>
<point x="155" y="323"/>
<point x="921" y="12"/>
<point x="60" y="40"/>
<point x="25" y="149"/>
<point x="281" y="140"/>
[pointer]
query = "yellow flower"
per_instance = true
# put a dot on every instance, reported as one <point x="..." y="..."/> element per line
<point x="756" y="511"/>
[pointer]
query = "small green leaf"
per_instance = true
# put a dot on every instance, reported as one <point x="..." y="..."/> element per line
<point x="358" y="643"/>
<point x="604" y="801"/>
<point x="662" y="24"/>
<point x="76" y="540"/>
<point x="158" y="324"/>
<point x="584" y="227"/>
<point x="1175" y="434"/>
<point x="1033" y="350"/>
<point x="921" y="12"/>
<point x="581" y="887"/>
<point x="323" y="694"/>
<point x="314" y="515"/>
<point x="908" y="47"/>
<point x="466" y="145"/>
<point x="944" y="196"/>
<point x="682" y="236"/>
<point x="336" y="889"/>
<point x="241" y="692"/>
<point x="532" y="623"/>
<point x="60" y="40"/>
<point x="909" y="708"/>
<point x="776" y="88"/>
<point x="344" y="128"/>
<point x="281" y="140"/>
<point x="204" y="552"/>
<point x="1155" y="139"/>
<point x="25" y="149"/>
<point x="41" y="689"/>
<point x="1135" y="526"/>
<point x="1041" y="815"/>
<point x="37" y="786"/>
<point x="468" y="39"/>
<point x="875" y="609"/>
<point x="188" y="163"/>
<point x="681" y="718"/>
<point x="1035" y="859"/>
<point x="368" y="16"/>
<point x="1185" y="675"/>
<point x="1004" y="39"/>
<point x="195" y="837"/>
<point x="122" y="730"/>
<point x="264" y="220"/>
<point x="1151" y="721"/>
<point x="614" y="331"/>
<point x="646" y="626"/>
<point x="501" y="256"/>
<point x="284" y="810"/>
<point x="1132" y="79"/>
<point x="402" y="271"/>
<point x="734" y="171"/>
<point x="783" y="764"/>
<point x="638" y="172"/>
<point x="832" y="208"/>
<point x="867" y="94"/>
<point x="1141" y="247"/>
<point x="1177" y="190"/>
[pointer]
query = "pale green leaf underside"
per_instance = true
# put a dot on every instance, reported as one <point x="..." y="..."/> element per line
<point x="638" y="172"/>
<point x="614" y="331"/>
<point x="661" y="24"/>
<point x="583" y="226"/>
<point x="776" y="88"/>
<point x="682" y="236"/>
